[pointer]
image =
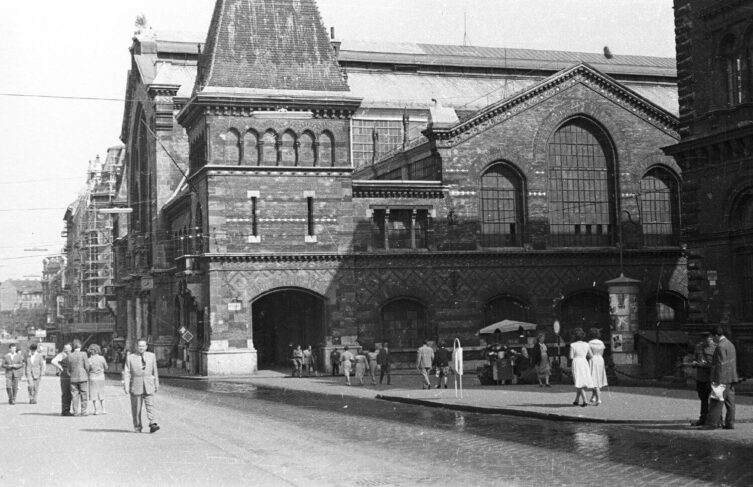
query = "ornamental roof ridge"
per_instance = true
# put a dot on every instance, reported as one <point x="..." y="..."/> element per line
<point x="667" y="120"/>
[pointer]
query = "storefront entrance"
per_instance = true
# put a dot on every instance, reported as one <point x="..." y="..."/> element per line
<point x="283" y="319"/>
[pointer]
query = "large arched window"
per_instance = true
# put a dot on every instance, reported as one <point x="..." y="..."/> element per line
<point x="741" y="222"/>
<point x="404" y="324"/>
<point x="250" y="149"/>
<point x="501" y="207"/>
<point x="306" y="150"/>
<point x="581" y="186"/>
<point x="287" y="148"/>
<point x="231" y="148"/>
<point x="660" y="215"/>
<point x="269" y="148"/>
<point x="729" y="69"/>
<point x="741" y="216"/>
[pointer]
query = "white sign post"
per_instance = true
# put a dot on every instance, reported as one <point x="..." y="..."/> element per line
<point x="556" y="327"/>
<point x="457" y="364"/>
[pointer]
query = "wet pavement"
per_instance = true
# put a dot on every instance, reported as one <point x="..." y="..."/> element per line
<point x="507" y="449"/>
<point x="236" y="433"/>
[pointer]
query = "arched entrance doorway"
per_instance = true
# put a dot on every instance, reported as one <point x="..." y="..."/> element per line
<point x="585" y="309"/>
<point x="286" y="317"/>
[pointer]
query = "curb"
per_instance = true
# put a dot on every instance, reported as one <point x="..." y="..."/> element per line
<point x="522" y="413"/>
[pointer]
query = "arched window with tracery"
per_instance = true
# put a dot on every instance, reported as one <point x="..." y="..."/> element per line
<point x="250" y="149"/>
<point x="306" y="155"/>
<point x="287" y="148"/>
<point x="326" y="150"/>
<point x="741" y="225"/>
<point x="501" y="207"/>
<point x="269" y="148"/>
<point x="660" y="203"/>
<point x="581" y="186"/>
<point x="404" y="324"/>
<point x="231" y="148"/>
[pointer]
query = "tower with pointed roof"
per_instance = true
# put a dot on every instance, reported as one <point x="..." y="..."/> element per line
<point x="270" y="168"/>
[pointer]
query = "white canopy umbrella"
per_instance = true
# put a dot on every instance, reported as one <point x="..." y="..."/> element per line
<point x="506" y="326"/>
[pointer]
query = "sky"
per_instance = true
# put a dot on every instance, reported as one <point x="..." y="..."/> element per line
<point x="55" y="53"/>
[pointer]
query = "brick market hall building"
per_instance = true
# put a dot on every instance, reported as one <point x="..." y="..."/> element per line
<point x="290" y="189"/>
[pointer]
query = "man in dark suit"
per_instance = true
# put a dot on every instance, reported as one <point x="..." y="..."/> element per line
<point x="13" y="363"/>
<point x="141" y="380"/>
<point x="65" y="380"/>
<point x="723" y="373"/>
<point x="77" y="365"/>
<point x="35" y="365"/>
<point x="384" y="361"/>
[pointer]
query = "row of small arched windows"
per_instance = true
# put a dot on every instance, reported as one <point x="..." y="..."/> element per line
<point x="273" y="149"/>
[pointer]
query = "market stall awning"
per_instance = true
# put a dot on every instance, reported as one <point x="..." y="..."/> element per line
<point x="506" y="326"/>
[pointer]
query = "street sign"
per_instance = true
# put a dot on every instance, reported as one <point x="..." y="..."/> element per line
<point x="187" y="336"/>
<point x="182" y="330"/>
<point x="556" y="327"/>
<point x="40" y="333"/>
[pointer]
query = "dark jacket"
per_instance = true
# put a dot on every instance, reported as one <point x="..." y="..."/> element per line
<point x="536" y="353"/>
<point x="77" y="364"/>
<point x="442" y="357"/>
<point x="704" y="356"/>
<point x="383" y="358"/>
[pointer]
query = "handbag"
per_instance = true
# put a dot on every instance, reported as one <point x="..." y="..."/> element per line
<point x="717" y="392"/>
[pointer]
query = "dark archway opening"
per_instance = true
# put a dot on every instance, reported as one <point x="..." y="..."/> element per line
<point x="286" y="318"/>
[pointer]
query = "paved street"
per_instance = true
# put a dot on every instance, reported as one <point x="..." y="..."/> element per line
<point x="233" y="433"/>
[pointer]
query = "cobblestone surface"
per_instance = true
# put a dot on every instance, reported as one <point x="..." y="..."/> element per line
<point x="228" y="433"/>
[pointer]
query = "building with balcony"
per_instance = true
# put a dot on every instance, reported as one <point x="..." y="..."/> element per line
<point x="714" y="42"/>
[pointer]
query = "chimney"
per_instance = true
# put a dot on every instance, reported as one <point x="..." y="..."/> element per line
<point x="335" y="44"/>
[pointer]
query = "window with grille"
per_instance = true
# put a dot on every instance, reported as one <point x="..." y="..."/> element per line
<point x="659" y="208"/>
<point x="730" y="71"/>
<point x="424" y="170"/>
<point x="501" y="207"/>
<point x="400" y="229"/>
<point x="581" y="187"/>
<point x="389" y="135"/>
<point x="744" y="268"/>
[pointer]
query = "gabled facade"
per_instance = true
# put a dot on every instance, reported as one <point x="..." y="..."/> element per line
<point x="285" y="233"/>
<point x="715" y="77"/>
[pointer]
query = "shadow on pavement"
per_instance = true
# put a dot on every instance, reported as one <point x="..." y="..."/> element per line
<point x="549" y="405"/>
<point x="105" y="430"/>
<point x="40" y="414"/>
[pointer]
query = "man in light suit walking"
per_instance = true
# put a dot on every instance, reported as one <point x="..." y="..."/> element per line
<point x="13" y="363"/>
<point x="141" y="380"/>
<point x="424" y="362"/>
<point x="35" y="365"/>
<point x="723" y="373"/>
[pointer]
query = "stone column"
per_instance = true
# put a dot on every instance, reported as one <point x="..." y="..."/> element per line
<point x="623" y="311"/>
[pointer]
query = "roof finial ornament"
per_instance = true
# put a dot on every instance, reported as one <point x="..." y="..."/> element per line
<point x="142" y="25"/>
<point x="607" y="53"/>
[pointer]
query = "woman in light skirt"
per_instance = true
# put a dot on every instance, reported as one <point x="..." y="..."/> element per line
<point x="98" y="365"/>
<point x="598" y="372"/>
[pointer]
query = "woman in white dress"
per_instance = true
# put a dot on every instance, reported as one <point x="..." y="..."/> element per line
<point x="580" y="352"/>
<point x="598" y="373"/>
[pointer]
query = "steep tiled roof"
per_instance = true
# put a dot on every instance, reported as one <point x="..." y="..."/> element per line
<point x="269" y="44"/>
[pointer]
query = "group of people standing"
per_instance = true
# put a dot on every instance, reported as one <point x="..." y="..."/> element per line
<point x="304" y="361"/>
<point x="376" y="360"/>
<point x="82" y="378"/>
<point x="716" y="376"/>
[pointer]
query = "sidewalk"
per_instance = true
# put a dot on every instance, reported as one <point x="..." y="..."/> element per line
<point x="620" y="405"/>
